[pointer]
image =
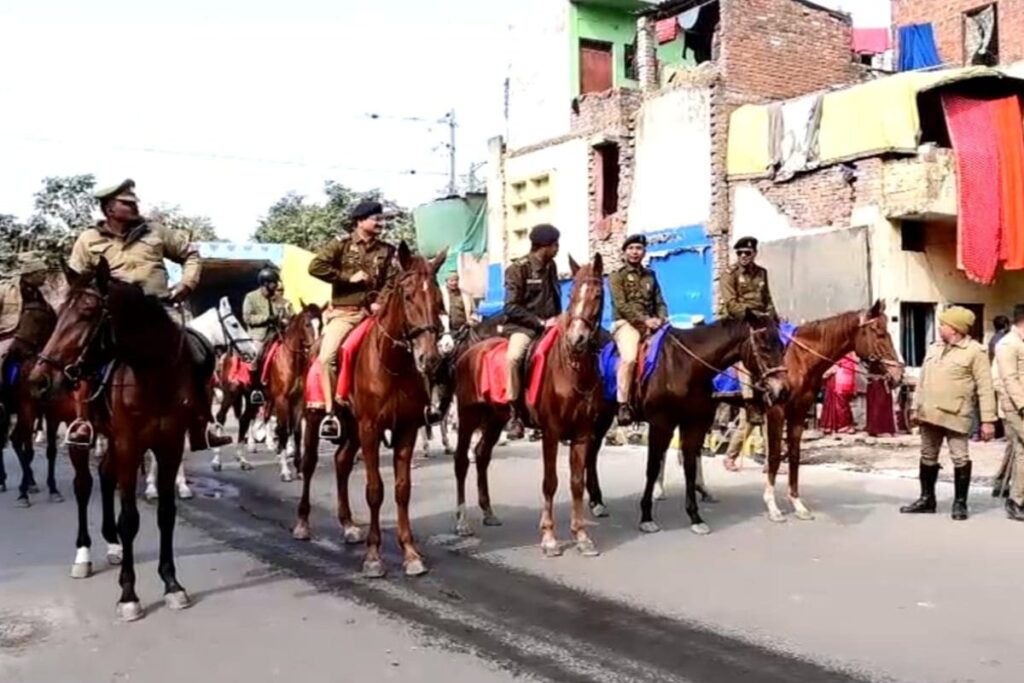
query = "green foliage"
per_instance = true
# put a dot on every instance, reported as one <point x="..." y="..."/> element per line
<point x="200" y="228"/>
<point x="293" y="220"/>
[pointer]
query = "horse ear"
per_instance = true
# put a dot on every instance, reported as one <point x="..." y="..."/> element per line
<point x="225" y="305"/>
<point x="404" y="255"/>
<point x="598" y="265"/>
<point x="103" y="275"/>
<point x="438" y="261"/>
<point x="573" y="266"/>
<point x="70" y="276"/>
<point x="302" y="304"/>
<point x="878" y="308"/>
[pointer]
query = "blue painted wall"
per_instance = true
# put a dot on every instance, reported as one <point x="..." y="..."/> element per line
<point x="682" y="260"/>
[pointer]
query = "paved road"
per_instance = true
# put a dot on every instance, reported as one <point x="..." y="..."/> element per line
<point x="859" y="594"/>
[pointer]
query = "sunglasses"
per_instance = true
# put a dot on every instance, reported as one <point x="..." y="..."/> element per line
<point x="744" y="252"/>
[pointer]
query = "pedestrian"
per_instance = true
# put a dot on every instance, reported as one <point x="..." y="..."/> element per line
<point x="1001" y="326"/>
<point x="881" y="414"/>
<point x="956" y="372"/>
<point x="840" y="387"/>
<point x="1010" y="388"/>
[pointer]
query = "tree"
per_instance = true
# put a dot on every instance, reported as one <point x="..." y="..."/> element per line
<point x="200" y="228"/>
<point x="293" y="220"/>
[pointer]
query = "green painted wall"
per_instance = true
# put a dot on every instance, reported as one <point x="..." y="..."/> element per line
<point x="618" y="27"/>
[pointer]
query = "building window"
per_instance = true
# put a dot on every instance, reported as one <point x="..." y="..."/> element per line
<point x="632" y="66"/>
<point x="607" y="177"/>
<point x="917" y="331"/>
<point x="981" y="36"/>
<point x="595" y="66"/>
<point x="912" y="236"/>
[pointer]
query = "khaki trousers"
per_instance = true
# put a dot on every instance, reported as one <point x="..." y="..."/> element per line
<point x="739" y="436"/>
<point x="518" y="342"/>
<point x="627" y="341"/>
<point x="932" y="437"/>
<point x="338" y="326"/>
<point x="1015" y="435"/>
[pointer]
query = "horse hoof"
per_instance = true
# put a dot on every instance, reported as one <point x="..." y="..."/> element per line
<point x="23" y="502"/>
<point x="185" y="494"/>
<point x="415" y="567"/>
<point x="709" y="498"/>
<point x="586" y="548"/>
<point x="287" y="477"/>
<point x="374" y="569"/>
<point x="804" y="515"/>
<point x="301" y="532"/>
<point x="491" y="519"/>
<point x="354" y="535"/>
<point x="701" y="529"/>
<point x="599" y="510"/>
<point x="115" y="554"/>
<point x="177" y="600"/>
<point x="777" y="517"/>
<point x="55" y="497"/>
<point x="33" y="489"/>
<point x="551" y="549"/>
<point x="129" y="611"/>
<point x="81" y="570"/>
<point x="216" y="466"/>
<point x="659" y="493"/>
<point x="245" y="466"/>
<point x="448" y="450"/>
<point x="463" y="529"/>
<point x="3" y="488"/>
<point x="151" y="496"/>
<point x="649" y="527"/>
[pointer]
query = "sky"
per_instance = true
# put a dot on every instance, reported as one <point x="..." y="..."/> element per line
<point x="223" y="106"/>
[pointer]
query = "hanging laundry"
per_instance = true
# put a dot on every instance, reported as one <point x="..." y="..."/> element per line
<point x="667" y="30"/>
<point x="1011" y="153"/>
<point x="917" y="47"/>
<point x="871" y="41"/>
<point x="798" y="147"/>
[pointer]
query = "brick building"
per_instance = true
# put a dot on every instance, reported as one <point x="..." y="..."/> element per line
<point x="960" y="25"/>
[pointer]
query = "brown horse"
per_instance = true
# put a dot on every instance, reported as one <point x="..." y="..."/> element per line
<point x="815" y="348"/>
<point x="286" y="381"/>
<point x="565" y="409"/>
<point x="155" y="394"/>
<point x="390" y="392"/>
<point x="234" y="398"/>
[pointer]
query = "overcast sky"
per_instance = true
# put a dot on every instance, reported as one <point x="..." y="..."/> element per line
<point x="222" y="106"/>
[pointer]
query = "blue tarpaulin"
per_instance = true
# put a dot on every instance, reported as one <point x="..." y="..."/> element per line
<point x="917" y="48"/>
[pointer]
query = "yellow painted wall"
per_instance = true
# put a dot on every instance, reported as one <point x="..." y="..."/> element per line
<point x="299" y="286"/>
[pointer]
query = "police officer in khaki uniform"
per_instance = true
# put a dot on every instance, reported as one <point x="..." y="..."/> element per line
<point x="1009" y="375"/>
<point x="360" y="268"/>
<point x="533" y="302"/>
<point x="283" y="308"/>
<point x="261" y="319"/>
<point x="135" y="249"/>
<point x="956" y="371"/>
<point x="744" y="288"/>
<point x="638" y="309"/>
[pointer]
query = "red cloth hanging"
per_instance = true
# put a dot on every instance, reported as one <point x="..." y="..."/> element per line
<point x="1011" y="151"/>
<point x="667" y="30"/>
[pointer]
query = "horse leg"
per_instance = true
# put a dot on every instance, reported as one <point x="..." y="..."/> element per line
<point x="692" y="433"/>
<point x="246" y="440"/>
<point x="181" y="484"/>
<point x="282" y="433"/>
<point x="484" y="450"/>
<point x="3" y="473"/>
<point x="301" y="531"/>
<point x="108" y="484"/>
<point x="548" y="541"/>
<point x="659" y="483"/>
<point x="25" y="454"/>
<point x="51" y="460"/>
<point x="405" y="444"/>
<point x="706" y="496"/>
<point x="152" y="492"/>
<point x="577" y="468"/>
<point x="793" y="436"/>
<point x="168" y="461"/>
<point x="775" y="421"/>
<point x="444" y="427"/>
<point x="426" y="443"/>
<point x="295" y="443"/>
<point x="601" y="427"/>
<point x="369" y="441"/>
<point x="468" y="420"/>
<point x="127" y="465"/>
<point x="82" y="567"/>
<point x="344" y="460"/>
<point x="658" y="440"/>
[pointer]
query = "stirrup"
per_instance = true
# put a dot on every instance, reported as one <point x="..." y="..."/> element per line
<point x="330" y="428"/>
<point x="71" y="440"/>
<point x="257" y="398"/>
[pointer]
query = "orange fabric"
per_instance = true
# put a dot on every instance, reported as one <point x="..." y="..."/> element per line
<point x="238" y="371"/>
<point x="345" y="355"/>
<point x="539" y="361"/>
<point x="1011" y="152"/>
<point x="314" y="389"/>
<point x="493" y="378"/>
<point x="274" y="348"/>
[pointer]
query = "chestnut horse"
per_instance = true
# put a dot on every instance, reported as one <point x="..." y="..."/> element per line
<point x="155" y="393"/>
<point x="815" y="348"/>
<point x="565" y="409"/>
<point x="390" y="392"/>
<point x="286" y="382"/>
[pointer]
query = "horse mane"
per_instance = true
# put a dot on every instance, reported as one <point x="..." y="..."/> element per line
<point x="831" y="332"/>
<point x="705" y="333"/>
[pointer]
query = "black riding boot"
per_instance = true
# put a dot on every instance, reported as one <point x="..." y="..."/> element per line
<point x="929" y="474"/>
<point x="961" y="485"/>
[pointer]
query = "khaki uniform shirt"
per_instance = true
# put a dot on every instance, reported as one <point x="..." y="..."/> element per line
<point x="952" y="375"/>
<point x="1009" y="372"/>
<point x="636" y="296"/>
<point x="532" y="294"/>
<point x="746" y="290"/>
<point x="340" y="259"/>
<point x="10" y="306"/>
<point x="256" y="314"/>
<point x="137" y="257"/>
<point x="457" y="317"/>
<point x="282" y="309"/>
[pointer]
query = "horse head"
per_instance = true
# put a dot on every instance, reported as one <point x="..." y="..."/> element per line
<point x="235" y="335"/>
<point x="302" y="330"/>
<point x="873" y="344"/>
<point x="412" y="313"/>
<point x="585" y="305"/>
<point x="764" y="356"/>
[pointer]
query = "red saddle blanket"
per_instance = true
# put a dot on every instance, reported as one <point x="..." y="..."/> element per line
<point x="237" y="371"/>
<point x="346" y="353"/>
<point x="494" y="369"/>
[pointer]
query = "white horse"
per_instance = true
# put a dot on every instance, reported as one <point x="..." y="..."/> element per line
<point x="222" y="329"/>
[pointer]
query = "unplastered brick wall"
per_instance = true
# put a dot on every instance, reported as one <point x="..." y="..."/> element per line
<point x="779" y="49"/>
<point x="947" y="18"/>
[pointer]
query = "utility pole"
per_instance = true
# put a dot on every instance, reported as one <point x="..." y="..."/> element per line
<point x="451" y="152"/>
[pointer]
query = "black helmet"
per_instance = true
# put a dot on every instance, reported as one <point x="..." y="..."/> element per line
<point x="268" y="276"/>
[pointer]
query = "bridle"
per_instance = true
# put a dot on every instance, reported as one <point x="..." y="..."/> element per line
<point x="73" y="371"/>
<point x="233" y="343"/>
<point x="408" y="335"/>
<point x="867" y="362"/>
<point x="765" y="372"/>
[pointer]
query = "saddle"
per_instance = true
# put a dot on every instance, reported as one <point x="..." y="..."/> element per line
<point x="493" y="380"/>
<point x="201" y="351"/>
<point x="346" y="354"/>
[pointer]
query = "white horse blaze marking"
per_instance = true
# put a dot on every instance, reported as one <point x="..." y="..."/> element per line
<point x="770" y="502"/>
<point x="582" y="299"/>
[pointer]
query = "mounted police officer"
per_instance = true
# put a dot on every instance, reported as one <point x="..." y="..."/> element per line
<point x="262" y="320"/>
<point x="744" y="288"/>
<point x="638" y="309"/>
<point x="135" y="249"/>
<point x="532" y="303"/>
<point x="361" y="269"/>
<point x="18" y="295"/>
